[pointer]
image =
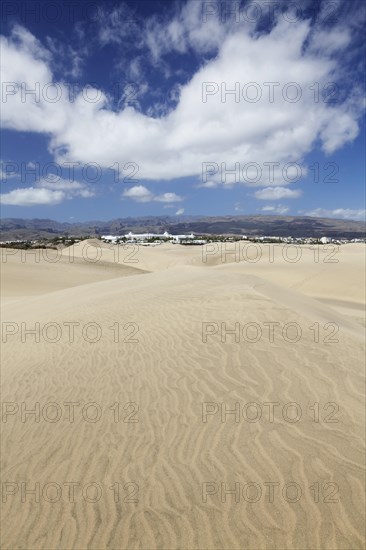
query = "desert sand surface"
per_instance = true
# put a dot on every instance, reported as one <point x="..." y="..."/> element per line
<point x="155" y="427"/>
<point x="49" y="270"/>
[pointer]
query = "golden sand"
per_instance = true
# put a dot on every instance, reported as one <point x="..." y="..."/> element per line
<point x="155" y="427"/>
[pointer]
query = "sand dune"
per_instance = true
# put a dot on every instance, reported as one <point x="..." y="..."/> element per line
<point x="29" y="273"/>
<point x="292" y="453"/>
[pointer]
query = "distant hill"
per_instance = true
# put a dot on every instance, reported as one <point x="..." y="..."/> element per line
<point x="279" y="226"/>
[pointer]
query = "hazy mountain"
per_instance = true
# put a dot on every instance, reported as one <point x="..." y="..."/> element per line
<point x="14" y="228"/>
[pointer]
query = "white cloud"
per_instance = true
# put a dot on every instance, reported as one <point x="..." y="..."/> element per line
<point x="276" y="193"/>
<point x="178" y="142"/>
<point x="139" y="193"/>
<point x="47" y="193"/>
<point x="184" y="30"/>
<point x="168" y="197"/>
<point x="72" y="188"/>
<point x="32" y="196"/>
<point x="279" y="209"/>
<point x="179" y="212"/>
<point x="340" y="213"/>
<point x="30" y="44"/>
<point x="25" y="68"/>
<point x="66" y="58"/>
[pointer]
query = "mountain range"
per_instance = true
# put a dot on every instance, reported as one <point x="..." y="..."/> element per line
<point x="279" y="226"/>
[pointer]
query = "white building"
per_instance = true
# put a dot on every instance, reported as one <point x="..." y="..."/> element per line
<point x="325" y="240"/>
<point x="143" y="236"/>
<point x="164" y="236"/>
<point x="146" y="236"/>
<point x="109" y="238"/>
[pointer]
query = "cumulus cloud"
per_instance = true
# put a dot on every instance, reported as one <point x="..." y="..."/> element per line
<point x="179" y="212"/>
<point x="339" y="213"/>
<point x="168" y="197"/>
<point x="140" y="193"/>
<point x="276" y="193"/>
<point x="32" y="196"/>
<point x="255" y="124"/>
<point x="279" y="209"/>
<point x="72" y="188"/>
<point x="47" y="193"/>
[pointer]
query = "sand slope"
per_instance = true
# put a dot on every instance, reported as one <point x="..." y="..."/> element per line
<point x="170" y="455"/>
<point x="28" y="273"/>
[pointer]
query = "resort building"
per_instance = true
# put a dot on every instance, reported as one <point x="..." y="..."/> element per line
<point x="140" y="237"/>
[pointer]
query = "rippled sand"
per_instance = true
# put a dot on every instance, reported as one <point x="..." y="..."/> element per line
<point x="155" y="427"/>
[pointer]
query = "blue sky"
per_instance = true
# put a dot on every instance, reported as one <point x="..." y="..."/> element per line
<point x="156" y="108"/>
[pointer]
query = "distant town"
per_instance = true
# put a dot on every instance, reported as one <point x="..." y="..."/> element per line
<point x="155" y="239"/>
